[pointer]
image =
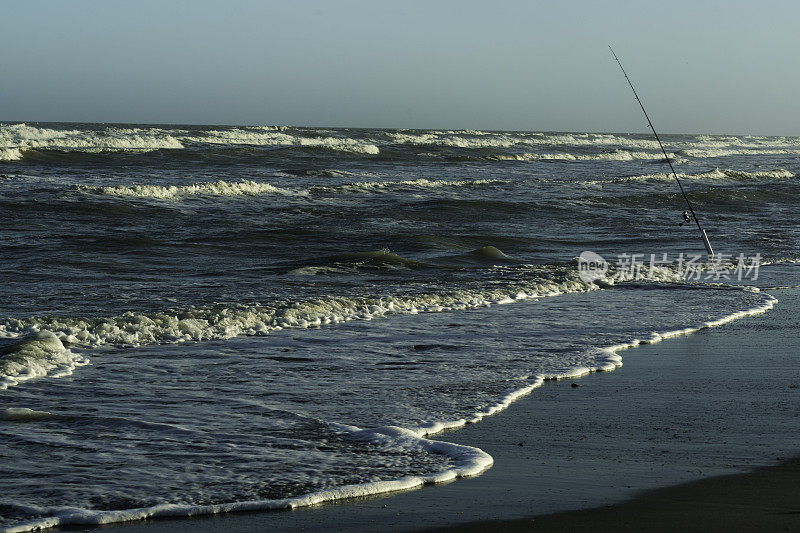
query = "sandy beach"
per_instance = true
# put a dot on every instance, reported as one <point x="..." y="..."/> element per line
<point x="719" y="402"/>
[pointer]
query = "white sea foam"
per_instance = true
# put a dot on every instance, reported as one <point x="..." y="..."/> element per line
<point x="22" y="137"/>
<point x="716" y="174"/>
<point x="420" y="183"/>
<point x="727" y="152"/>
<point x="275" y="138"/>
<point x="605" y="359"/>
<point x="214" y="188"/>
<point x="15" y="138"/>
<point x="36" y="355"/>
<point x="466" y="461"/>
<point x="742" y="175"/>
<point x="595" y="139"/>
<point x="224" y="322"/>
<point x="612" y="155"/>
<point x="747" y="141"/>
<point x="45" y="354"/>
<point x="253" y="188"/>
<point x="10" y="154"/>
<point x="507" y="140"/>
<point x="454" y="140"/>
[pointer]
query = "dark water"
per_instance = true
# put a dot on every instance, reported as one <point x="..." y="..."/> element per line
<point x="123" y="245"/>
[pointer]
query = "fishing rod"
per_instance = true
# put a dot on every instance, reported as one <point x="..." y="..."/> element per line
<point x="707" y="244"/>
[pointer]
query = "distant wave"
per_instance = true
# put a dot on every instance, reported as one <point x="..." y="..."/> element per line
<point x="420" y="183"/>
<point x="21" y="137"/>
<point x="716" y="174"/>
<point x="276" y="138"/>
<point x="15" y="138"/>
<point x="745" y="141"/>
<point x="216" y="188"/>
<point x="455" y="141"/>
<point x="742" y="175"/>
<point x="253" y="188"/>
<point x="726" y="152"/>
<point x="612" y="155"/>
<point x="596" y="139"/>
<point x="508" y="140"/>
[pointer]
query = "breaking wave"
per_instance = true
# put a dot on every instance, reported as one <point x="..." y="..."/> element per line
<point x="277" y="138"/>
<point x="216" y="188"/>
<point x="16" y="138"/>
<point x="42" y="346"/>
<point x="45" y="343"/>
<point x="723" y="152"/>
<point x="716" y="174"/>
<point x="253" y="188"/>
<point x="10" y="154"/>
<point x="611" y="155"/>
<point x="23" y="137"/>
<point x="420" y="183"/>
<point x="34" y="354"/>
<point x="454" y="141"/>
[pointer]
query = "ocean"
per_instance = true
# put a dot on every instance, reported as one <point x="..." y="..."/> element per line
<point x="196" y="320"/>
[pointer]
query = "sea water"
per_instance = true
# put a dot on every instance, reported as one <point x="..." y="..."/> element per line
<point x="204" y="319"/>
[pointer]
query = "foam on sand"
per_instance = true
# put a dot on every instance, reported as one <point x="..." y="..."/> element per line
<point x="605" y="359"/>
<point x="466" y="460"/>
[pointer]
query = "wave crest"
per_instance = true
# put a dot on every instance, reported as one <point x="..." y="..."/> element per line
<point x="421" y="183"/>
<point x="216" y="188"/>
<point x="716" y="174"/>
<point x="43" y="351"/>
<point x="279" y="138"/>
<point x="23" y="137"/>
<point x="36" y="355"/>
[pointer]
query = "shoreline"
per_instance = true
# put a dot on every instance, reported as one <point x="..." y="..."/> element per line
<point x="558" y="473"/>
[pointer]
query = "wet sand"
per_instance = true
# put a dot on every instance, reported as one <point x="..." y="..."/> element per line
<point x="764" y="500"/>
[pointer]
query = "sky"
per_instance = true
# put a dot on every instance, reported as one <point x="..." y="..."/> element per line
<point x="699" y="66"/>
